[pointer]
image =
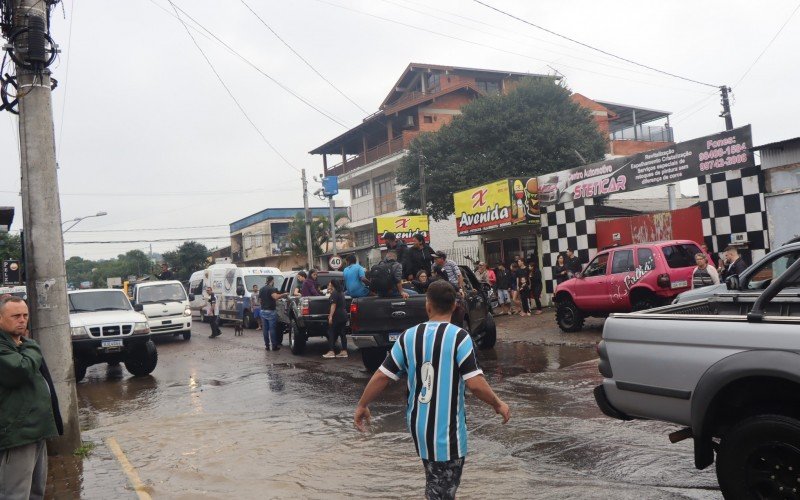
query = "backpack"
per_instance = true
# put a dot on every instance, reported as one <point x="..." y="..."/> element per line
<point x="381" y="278"/>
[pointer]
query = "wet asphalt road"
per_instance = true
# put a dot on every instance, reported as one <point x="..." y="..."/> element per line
<point x="223" y="418"/>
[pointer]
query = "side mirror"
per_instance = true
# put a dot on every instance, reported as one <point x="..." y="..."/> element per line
<point x="240" y="291"/>
<point x="138" y="307"/>
<point x="732" y="282"/>
<point x="191" y="297"/>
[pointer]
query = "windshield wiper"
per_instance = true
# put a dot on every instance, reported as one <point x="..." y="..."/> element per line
<point x="110" y="309"/>
<point x="76" y="310"/>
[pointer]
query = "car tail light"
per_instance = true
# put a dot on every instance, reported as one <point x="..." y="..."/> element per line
<point x="664" y="281"/>
<point x="305" y="310"/>
<point x="353" y="316"/>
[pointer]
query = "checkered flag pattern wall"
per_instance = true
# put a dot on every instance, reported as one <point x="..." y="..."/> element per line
<point x="567" y="225"/>
<point x="733" y="202"/>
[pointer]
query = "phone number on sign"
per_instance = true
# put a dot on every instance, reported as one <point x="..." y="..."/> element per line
<point x="723" y="162"/>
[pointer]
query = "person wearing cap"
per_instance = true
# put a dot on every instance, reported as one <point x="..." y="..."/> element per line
<point x="450" y="271"/>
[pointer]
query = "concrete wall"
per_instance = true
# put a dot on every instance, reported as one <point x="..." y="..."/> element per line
<point x="444" y="235"/>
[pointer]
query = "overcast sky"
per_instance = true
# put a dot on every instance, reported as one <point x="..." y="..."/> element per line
<point x="146" y="132"/>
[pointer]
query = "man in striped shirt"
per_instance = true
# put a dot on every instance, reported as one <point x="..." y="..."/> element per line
<point x="439" y="360"/>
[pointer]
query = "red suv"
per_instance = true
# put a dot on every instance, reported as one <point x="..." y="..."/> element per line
<point x="625" y="279"/>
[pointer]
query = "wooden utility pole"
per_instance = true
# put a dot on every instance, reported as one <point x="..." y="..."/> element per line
<point x="307" y="216"/>
<point x="41" y="210"/>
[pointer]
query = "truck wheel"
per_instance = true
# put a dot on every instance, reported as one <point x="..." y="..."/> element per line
<point x="187" y="335"/>
<point x="569" y="317"/>
<point x="249" y="321"/>
<point x="489" y="338"/>
<point x="142" y="359"/>
<point x="759" y="458"/>
<point x="644" y="302"/>
<point x="297" y="339"/>
<point x="80" y="370"/>
<point x="373" y="357"/>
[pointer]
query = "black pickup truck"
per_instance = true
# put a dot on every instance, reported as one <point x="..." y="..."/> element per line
<point x="304" y="317"/>
<point x="375" y="323"/>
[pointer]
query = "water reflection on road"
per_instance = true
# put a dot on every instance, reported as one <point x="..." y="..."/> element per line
<point x="222" y="419"/>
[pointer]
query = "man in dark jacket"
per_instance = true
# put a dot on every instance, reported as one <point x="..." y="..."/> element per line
<point x="734" y="265"/>
<point x="573" y="263"/>
<point x="399" y="246"/>
<point x="419" y="257"/>
<point x="28" y="408"/>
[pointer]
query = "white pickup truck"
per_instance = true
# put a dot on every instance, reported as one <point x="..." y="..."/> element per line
<point x="727" y="368"/>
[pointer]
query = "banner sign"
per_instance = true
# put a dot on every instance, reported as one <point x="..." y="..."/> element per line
<point x="499" y="204"/>
<point x="404" y="227"/>
<point x="729" y="150"/>
<point x="12" y="274"/>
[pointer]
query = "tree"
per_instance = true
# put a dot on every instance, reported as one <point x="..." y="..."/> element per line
<point x="533" y="130"/>
<point x="189" y="257"/>
<point x="10" y="246"/>
<point x="320" y="233"/>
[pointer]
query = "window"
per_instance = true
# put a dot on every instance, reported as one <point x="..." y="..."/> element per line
<point x="361" y="190"/>
<point x="763" y="276"/>
<point x="364" y="238"/>
<point x="434" y="83"/>
<point x="622" y="262"/>
<point x="488" y="86"/>
<point x="427" y="119"/>
<point x="385" y="197"/>
<point x="680" y="255"/>
<point x="645" y="258"/>
<point x="196" y="287"/>
<point x="597" y="267"/>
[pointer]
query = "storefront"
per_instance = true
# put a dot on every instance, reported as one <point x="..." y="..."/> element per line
<point x="505" y="214"/>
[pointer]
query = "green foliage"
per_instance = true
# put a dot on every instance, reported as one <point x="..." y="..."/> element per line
<point x="186" y="259"/>
<point x="533" y="130"/>
<point x="85" y="449"/>
<point x="320" y="233"/>
<point x="10" y="246"/>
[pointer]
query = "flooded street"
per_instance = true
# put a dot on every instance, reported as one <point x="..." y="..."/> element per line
<point x="223" y="418"/>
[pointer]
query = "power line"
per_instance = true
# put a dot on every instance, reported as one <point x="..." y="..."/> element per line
<point x="768" y="45"/>
<point x="248" y="62"/>
<point x="66" y="80"/>
<point x="354" y="103"/>
<point x="163" y="240"/>
<point x="148" y="229"/>
<point x="592" y="47"/>
<point x="228" y="90"/>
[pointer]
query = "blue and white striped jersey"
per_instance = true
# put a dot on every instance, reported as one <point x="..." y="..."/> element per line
<point x="437" y="358"/>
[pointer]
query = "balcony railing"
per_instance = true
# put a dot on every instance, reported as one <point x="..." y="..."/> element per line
<point x="643" y="133"/>
<point x="380" y="151"/>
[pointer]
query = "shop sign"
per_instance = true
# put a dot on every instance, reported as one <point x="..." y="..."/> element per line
<point x="499" y="204"/>
<point x="404" y="227"/>
<point x="707" y="155"/>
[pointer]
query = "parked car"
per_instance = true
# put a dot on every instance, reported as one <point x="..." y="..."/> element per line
<point x="626" y="278"/>
<point x="728" y="369"/>
<point x="166" y="305"/>
<point x="756" y="277"/>
<point x="305" y="317"/>
<point x="106" y="329"/>
<point x="376" y="322"/>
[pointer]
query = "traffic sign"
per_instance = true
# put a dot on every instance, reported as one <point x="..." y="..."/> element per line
<point x="335" y="262"/>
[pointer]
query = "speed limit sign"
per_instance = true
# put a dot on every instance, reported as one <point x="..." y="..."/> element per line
<point x="335" y="262"/>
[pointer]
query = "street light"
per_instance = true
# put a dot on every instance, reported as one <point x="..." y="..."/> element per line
<point x="76" y="220"/>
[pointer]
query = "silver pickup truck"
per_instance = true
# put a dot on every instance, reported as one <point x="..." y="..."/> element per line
<point x="727" y="368"/>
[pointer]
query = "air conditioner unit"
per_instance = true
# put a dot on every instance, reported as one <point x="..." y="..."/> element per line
<point x="409" y="122"/>
<point x="738" y="238"/>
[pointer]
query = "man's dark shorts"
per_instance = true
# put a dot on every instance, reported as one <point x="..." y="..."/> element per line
<point x="442" y="478"/>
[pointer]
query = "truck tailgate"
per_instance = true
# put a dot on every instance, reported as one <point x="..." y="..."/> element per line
<point x="387" y="315"/>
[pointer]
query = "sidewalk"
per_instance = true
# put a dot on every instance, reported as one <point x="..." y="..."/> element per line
<point x="98" y="476"/>
<point x="543" y="330"/>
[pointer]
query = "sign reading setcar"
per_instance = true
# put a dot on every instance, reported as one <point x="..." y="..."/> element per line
<point x="707" y="155"/>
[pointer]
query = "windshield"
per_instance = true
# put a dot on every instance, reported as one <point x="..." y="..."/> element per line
<point x="162" y="293"/>
<point x="260" y="280"/>
<point x="763" y="276"/>
<point x="101" y="300"/>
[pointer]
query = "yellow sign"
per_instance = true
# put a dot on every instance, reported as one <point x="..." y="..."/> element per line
<point x="404" y="227"/>
<point x="485" y="207"/>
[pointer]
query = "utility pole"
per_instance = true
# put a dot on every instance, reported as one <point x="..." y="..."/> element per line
<point x="423" y="197"/>
<point x="726" y="107"/>
<point x="307" y="217"/>
<point x="41" y="211"/>
<point x="333" y="224"/>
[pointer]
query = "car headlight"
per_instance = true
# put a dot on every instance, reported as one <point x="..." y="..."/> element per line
<point x="187" y="312"/>
<point x="141" y="328"/>
<point x="78" y="331"/>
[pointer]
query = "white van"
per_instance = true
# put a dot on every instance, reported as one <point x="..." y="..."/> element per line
<point x="166" y="306"/>
<point x="232" y="285"/>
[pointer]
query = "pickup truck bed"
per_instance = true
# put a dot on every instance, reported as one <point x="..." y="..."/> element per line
<point x="727" y="368"/>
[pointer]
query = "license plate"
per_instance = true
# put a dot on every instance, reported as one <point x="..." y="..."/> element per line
<point x="167" y="322"/>
<point x="680" y="284"/>
<point x="393" y="337"/>
<point x="106" y="344"/>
